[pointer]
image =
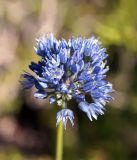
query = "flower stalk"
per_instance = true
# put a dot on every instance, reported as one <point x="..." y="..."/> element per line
<point x="59" y="145"/>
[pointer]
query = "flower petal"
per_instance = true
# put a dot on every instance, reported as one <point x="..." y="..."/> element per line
<point x="40" y="94"/>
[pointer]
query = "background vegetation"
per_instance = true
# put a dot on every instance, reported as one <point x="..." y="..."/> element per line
<point x="27" y="125"/>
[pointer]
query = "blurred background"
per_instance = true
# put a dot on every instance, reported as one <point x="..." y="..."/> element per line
<point x="27" y="125"/>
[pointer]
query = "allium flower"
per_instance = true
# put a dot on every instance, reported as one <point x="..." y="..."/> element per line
<point x="70" y="69"/>
<point x="64" y="115"/>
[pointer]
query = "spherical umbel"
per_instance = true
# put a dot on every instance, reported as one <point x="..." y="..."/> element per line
<point x="70" y="69"/>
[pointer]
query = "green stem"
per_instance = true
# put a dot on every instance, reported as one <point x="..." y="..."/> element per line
<point x="59" y="145"/>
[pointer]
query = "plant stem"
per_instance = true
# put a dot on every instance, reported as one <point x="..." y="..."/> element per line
<point x="59" y="145"/>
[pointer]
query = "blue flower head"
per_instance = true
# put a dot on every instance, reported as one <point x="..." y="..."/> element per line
<point x="68" y="70"/>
